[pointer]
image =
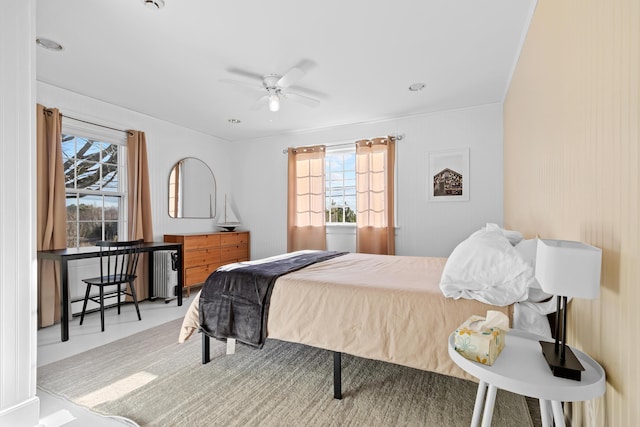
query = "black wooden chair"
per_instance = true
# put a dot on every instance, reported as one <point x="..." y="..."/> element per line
<point x="118" y="262"/>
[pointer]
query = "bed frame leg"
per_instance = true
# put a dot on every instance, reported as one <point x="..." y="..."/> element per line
<point x="206" y="357"/>
<point x="337" y="375"/>
<point x="231" y="346"/>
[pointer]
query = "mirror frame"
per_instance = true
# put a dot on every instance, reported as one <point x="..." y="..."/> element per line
<point x="213" y="214"/>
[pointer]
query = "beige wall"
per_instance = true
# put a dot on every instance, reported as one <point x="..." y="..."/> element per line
<point x="571" y="160"/>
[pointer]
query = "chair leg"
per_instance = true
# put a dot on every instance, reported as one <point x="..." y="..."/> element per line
<point x="119" y="293"/>
<point x="135" y="299"/>
<point x="102" y="307"/>
<point x="84" y="304"/>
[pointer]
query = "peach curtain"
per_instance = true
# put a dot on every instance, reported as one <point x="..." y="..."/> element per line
<point x="139" y="203"/>
<point x="50" y="210"/>
<point x="375" y="161"/>
<point x="305" y="203"/>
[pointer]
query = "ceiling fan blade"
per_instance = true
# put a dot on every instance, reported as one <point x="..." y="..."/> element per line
<point x="292" y="76"/>
<point x="259" y="103"/>
<point x="307" y="92"/>
<point x="302" y="99"/>
<point x="241" y="83"/>
<point x="244" y="73"/>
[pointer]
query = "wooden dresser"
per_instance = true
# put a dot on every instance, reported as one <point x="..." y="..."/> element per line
<point x="202" y="253"/>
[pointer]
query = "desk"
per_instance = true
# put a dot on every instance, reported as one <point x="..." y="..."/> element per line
<point x="65" y="255"/>
<point x="521" y="368"/>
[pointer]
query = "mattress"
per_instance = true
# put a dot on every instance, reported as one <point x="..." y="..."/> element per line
<point x="380" y="307"/>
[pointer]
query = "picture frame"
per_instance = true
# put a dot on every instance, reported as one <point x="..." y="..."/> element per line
<point x="448" y="175"/>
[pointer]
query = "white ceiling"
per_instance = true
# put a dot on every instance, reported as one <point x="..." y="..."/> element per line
<point x="168" y="63"/>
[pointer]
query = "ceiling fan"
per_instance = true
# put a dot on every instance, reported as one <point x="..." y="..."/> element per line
<point x="276" y="87"/>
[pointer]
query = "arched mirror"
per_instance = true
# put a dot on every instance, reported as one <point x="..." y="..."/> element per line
<point x="192" y="190"/>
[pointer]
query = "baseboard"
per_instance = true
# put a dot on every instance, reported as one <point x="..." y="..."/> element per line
<point x="25" y="414"/>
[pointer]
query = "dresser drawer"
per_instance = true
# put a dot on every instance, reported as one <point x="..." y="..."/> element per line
<point x="203" y="253"/>
<point x="234" y="239"/>
<point x="201" y="241"/>
<point x="234" y="253"/>
<point x="197" y="275"/>
<point x="196" y="257"/>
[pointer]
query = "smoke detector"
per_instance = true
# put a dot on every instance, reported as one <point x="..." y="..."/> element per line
<point x="154" y="4"/>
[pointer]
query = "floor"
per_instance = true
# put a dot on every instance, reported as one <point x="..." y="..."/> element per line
<point x="55" y="411"/>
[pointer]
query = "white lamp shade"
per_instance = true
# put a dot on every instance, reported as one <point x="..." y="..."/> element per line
<point x="274" y="102"/>
<point x="568" y="268"/>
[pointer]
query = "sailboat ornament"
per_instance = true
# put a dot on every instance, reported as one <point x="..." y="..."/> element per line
<point x="230" y="220"/>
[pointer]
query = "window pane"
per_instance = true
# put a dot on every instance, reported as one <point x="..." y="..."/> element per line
<point x="70" y="174"/>
<point x="72" y="207"/>
<point x="88" y="150"/>
<point x="88" y="175"/>
<point x="69" y="160"/>
<point x="337" y="192"/>
<point x="90" y="208"/>
<point x="109" y="177"/>
<point x="89" y="232"/>
<point x="109" y="153"/>
<point x="111" y="208"/>
<point x="111" y="231"/>
<point x="68" y="147"/>
<point x="72" y="234"/>
<point x="350" y="161"/>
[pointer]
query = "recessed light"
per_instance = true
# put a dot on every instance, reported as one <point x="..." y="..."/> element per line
<point x="154" y="4"/>
<point x="417" y="87"/>
<point x="49" y="44"/>
<point x="234" y="121"/>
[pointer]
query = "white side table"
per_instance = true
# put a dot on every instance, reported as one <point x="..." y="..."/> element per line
<point x="521" y="368"/>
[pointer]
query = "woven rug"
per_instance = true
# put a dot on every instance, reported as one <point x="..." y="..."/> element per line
<point x="154" y="381"/>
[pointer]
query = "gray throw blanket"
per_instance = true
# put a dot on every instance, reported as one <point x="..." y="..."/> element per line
<point x="235" y="303"/>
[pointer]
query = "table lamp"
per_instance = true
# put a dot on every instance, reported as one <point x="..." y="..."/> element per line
<point x="566" y="269"/>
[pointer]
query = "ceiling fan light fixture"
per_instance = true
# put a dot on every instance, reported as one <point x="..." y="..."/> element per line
<point x="274" y="102"/>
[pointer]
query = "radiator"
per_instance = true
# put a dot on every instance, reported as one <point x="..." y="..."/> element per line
<point x="165" y="278"/>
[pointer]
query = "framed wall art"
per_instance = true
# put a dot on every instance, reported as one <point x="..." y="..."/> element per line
<point x="448" y="176"/>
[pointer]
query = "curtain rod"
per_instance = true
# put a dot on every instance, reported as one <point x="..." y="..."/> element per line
<point x="128" y="132"/>
<point x="344" y="144"/>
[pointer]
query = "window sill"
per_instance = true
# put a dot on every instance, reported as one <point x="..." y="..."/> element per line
<point x="341" y="228"/>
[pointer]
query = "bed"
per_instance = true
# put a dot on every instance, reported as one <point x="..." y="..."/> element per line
<point x="398" y="309"/>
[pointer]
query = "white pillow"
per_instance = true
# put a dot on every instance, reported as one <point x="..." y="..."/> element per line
<point x="514" y="237"/>
<point x="487" y="268"/>
<point x="527" y="250"/>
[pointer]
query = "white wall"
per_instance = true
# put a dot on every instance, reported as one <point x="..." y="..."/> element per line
<point x="166" y="144"/>
<point x="427" y="229"/>
<point x="19" y="405"/>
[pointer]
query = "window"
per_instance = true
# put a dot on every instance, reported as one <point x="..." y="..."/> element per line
<point x="95" y="188"/>
<point x="340" y="186"/>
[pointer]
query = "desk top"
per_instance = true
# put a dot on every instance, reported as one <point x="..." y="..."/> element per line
<point x="94" y="251"/>
<point x="522" y="369"/>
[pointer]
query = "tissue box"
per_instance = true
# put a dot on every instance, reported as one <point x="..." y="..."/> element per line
<point x="478" y="343"/>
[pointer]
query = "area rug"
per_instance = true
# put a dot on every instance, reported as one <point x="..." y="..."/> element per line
<point x="154" y="381"/>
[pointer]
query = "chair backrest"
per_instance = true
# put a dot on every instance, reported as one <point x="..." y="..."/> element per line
<point x="118" y="260"/>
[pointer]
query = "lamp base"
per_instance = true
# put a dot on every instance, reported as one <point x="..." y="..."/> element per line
<point x="570" y="369"/>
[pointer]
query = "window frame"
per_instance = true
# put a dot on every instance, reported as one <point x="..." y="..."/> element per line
<point x="118" y="138"/>
<point x="337" y="149"/>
